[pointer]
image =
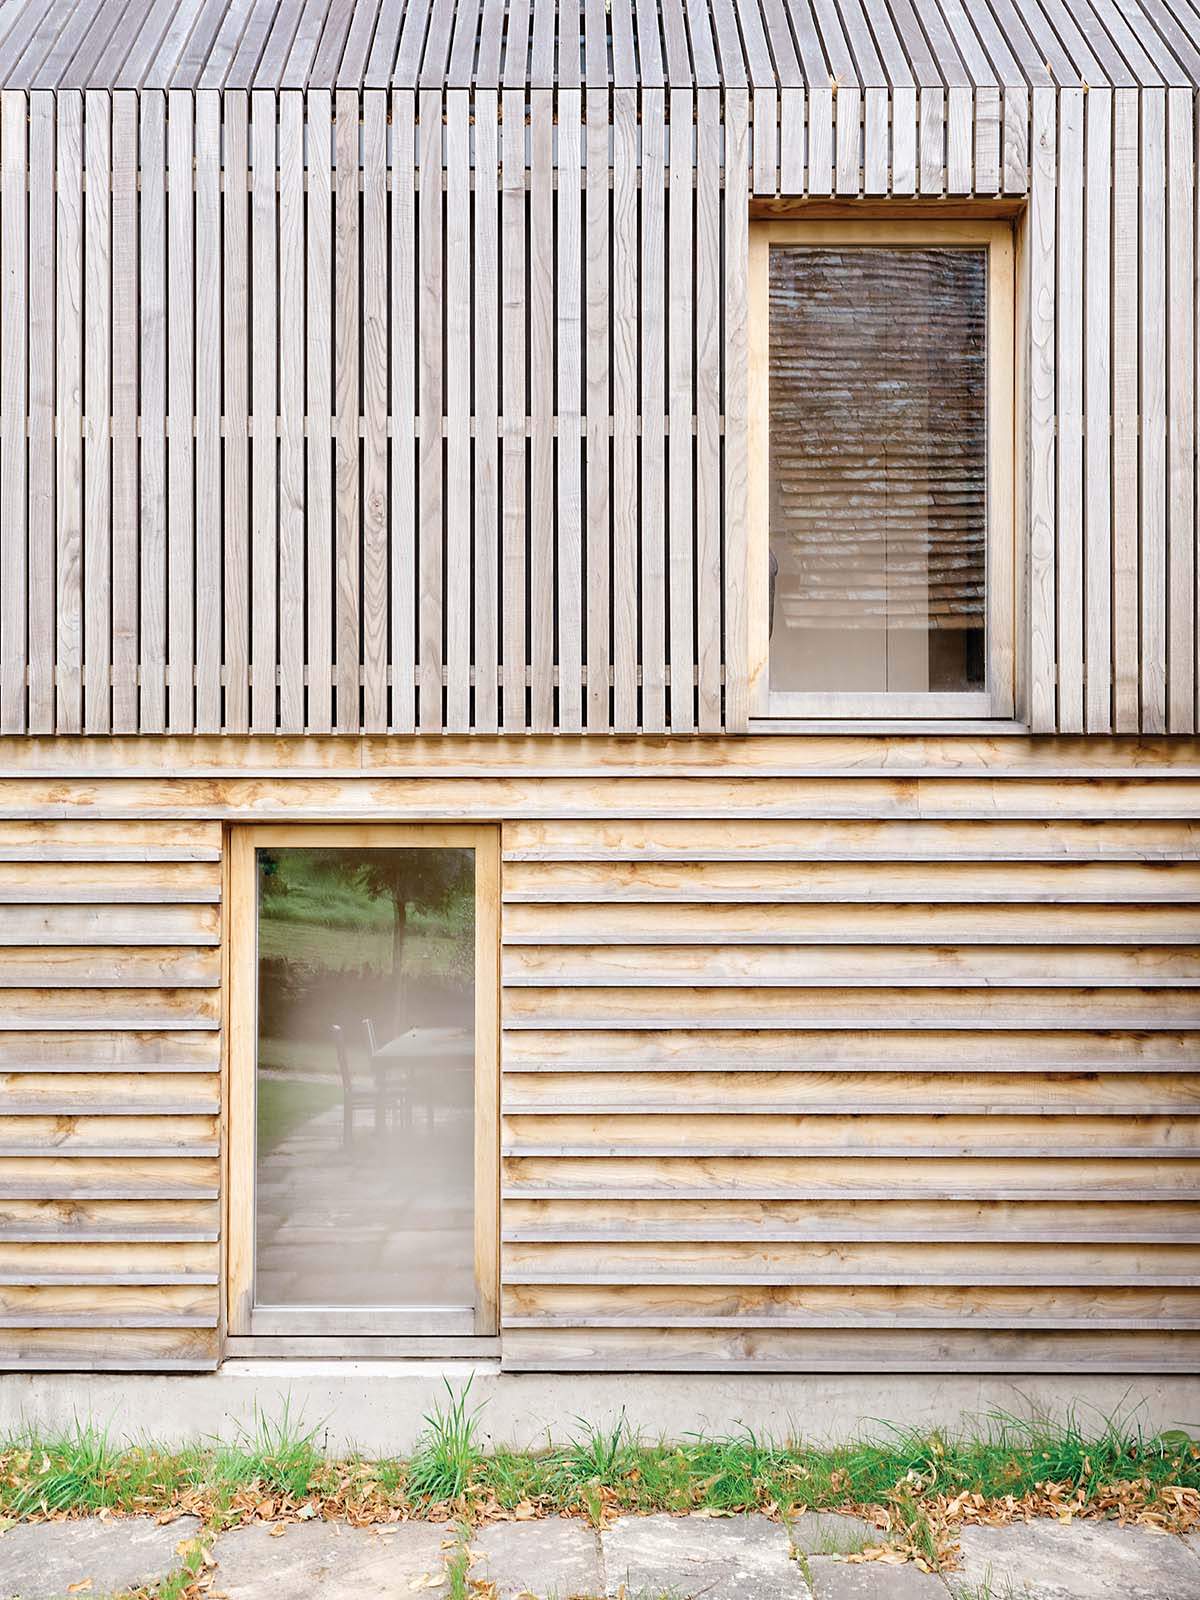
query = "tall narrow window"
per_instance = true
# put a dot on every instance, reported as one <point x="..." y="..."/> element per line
<point x="364" y="1082"/>
<point x="886" y="438"/>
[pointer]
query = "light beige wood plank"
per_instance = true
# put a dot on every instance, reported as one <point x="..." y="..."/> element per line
<point x="540" y="270"/>
<point x="625" y="412"/>
<point x="1181" y="414"/>
<point x="597" y="314"/>
<point x="570" y="404"/>
<point x="486" y="403"/>
<point x="181" y="408"/>
<point x="69" y="624"/>
<point x="152" y="393"/>
<point x="514" y="409"/>
<point x="681" y="548"/>
<point x="1068" y="362"/>
<point x="458" y="412"/>
<point x="40" y="529"/>
<point x="1042" y="454"/>
<point x="403" y="414"/>
<point x="1125" y="500"/>
<point x="737" y="537"/>
<point x="347" y="575"/>
<point x="14" y="336"/>
<point x="1152" y="464"/>
<point x="430" y="306"/>
<point x="374" y="357"/>
<point x="236" y="471"/>
<point x="319" y="404"/>
<point x="904" y="140"/>
<point x="97" y="444"/>
<point x="1097" y="403"/>
<point x="708" y="407"/>
<point x="292" y="506"/>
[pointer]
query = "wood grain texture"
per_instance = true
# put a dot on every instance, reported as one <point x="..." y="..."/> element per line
<point x="124" y="1106"/>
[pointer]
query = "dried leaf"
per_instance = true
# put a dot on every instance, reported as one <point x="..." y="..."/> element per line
<point x="82" y="1587"/>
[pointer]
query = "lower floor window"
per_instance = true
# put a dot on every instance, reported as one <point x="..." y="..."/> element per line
<point x="364" y="1081"/>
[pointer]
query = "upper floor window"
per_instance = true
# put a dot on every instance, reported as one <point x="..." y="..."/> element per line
<point x="882" y="439"/>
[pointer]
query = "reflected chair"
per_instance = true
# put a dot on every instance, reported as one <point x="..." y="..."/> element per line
<point x="376" y="1098"/>
<point x="391" y="1077"/>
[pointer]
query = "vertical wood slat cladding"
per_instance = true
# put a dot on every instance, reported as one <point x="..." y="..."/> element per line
<point x="322" y="490"/>
<point x="109" y="1094"/>
<point x="759" y="1113"/>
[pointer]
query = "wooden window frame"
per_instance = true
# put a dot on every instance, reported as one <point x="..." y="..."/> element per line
<point x="998" y="699"/>
<point x="317" y="1327"/>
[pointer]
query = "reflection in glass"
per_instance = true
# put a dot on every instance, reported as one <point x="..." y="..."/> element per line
<point x="878" y="457"/>
<point x="365" y="1077"/>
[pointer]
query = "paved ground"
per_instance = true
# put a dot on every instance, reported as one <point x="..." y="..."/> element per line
<point x="637" y="1558"/>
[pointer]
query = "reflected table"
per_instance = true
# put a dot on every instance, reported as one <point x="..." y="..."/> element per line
<point x="418" y="1053"/>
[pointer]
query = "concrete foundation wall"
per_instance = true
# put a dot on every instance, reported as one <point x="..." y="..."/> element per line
<point x="379" y="1407"/>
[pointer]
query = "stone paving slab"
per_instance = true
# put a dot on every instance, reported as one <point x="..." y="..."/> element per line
<point x="701" y="1558"/>
<point x="1047" y="1560"/>
<point x="330" y="1559"/>
<point x="555" y="1559"/>
<point x="873" y="1580"/>
<point x="41" y="1560"/>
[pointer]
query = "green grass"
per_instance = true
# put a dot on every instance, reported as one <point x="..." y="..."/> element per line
<point x="275" y="1468"/>
<point x="284" y="1107"/>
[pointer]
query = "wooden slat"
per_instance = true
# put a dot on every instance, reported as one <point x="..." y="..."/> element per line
<point x="514" y="404"/>
<point x="1181" y="415"/>
<point x="570" y="406"/>
<point x="97" y="444"/>
<point x="291" y="413"/>
<point x="708" y="409"/>
<point x="319" y="405"/>
<point x="347" y="575"/>
<point x="540" y="289"/>
<point x="1152" y="508"/>
<point x="1042" y="453"/>
<point x="13" y="392"/>
<point x="1125" y="499"/>
<point x="181" y="334"/>
<point x="236" y="468"/>
<point x="1097" y="405"/>
<point x="39" y="514"/>
<point x="457" y="316"/>
<point x="152" y="476"/>
<point x="625" y="413"/>
<point x="681" y="563"/>
<point x="737" y="599"/>
<point x="430" y="402"/>
<point x="486" y="405"/>
<point x="1068" y="363"/>
<point x="597" y="302"/>
<point x="68" y="651"/>
<point x="264" y="444"/>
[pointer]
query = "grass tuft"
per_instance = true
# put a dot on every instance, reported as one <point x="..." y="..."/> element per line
<point x="446" y="1454"/>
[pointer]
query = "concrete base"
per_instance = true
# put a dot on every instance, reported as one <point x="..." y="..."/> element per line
<point x="380" y="1407"/>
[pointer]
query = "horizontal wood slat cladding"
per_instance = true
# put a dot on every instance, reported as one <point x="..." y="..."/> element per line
<point x="109" y="1094"/>
<point x="481" y="463"/>
<point x="826" y="1093"/>
<point x="891" y="1063"/>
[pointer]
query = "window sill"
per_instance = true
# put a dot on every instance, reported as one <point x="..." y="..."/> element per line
<point x="992" y="727"/>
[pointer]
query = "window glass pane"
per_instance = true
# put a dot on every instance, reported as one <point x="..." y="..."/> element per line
<point x="365" y="1077"/>
<point x="878" y="468"/>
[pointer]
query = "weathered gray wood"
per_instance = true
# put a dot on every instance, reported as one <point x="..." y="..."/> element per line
<point x="514" y="404"/>
<point x="319" y="411"/>
<point x="681" y="541"/>
<point x="1097" y="405"/>
<point x="235" y="367"/>
<point x="1181" y="414"/>
<point x="291" y="413"/>
<point x="597" y="301"/>
<point x="540" y="269"/>
<point x="486" y="404"/>
<point x="39" y="512"/>
<point x="430" y="402"/>
<point x="347" y="574"/>
<point x="456" y="312"/>
<point x="181" y="334"/>
<point x="97" y="377"/>
<point x="569" y="404"/>
<point x="625" y="411"/>
<point x="152" y="394"/>
<point x="69" y="267"/>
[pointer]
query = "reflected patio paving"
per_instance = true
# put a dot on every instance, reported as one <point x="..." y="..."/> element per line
<point x="384" y="1220"/>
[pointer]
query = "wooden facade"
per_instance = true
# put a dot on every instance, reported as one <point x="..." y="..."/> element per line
<point x="377" y="396"/>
